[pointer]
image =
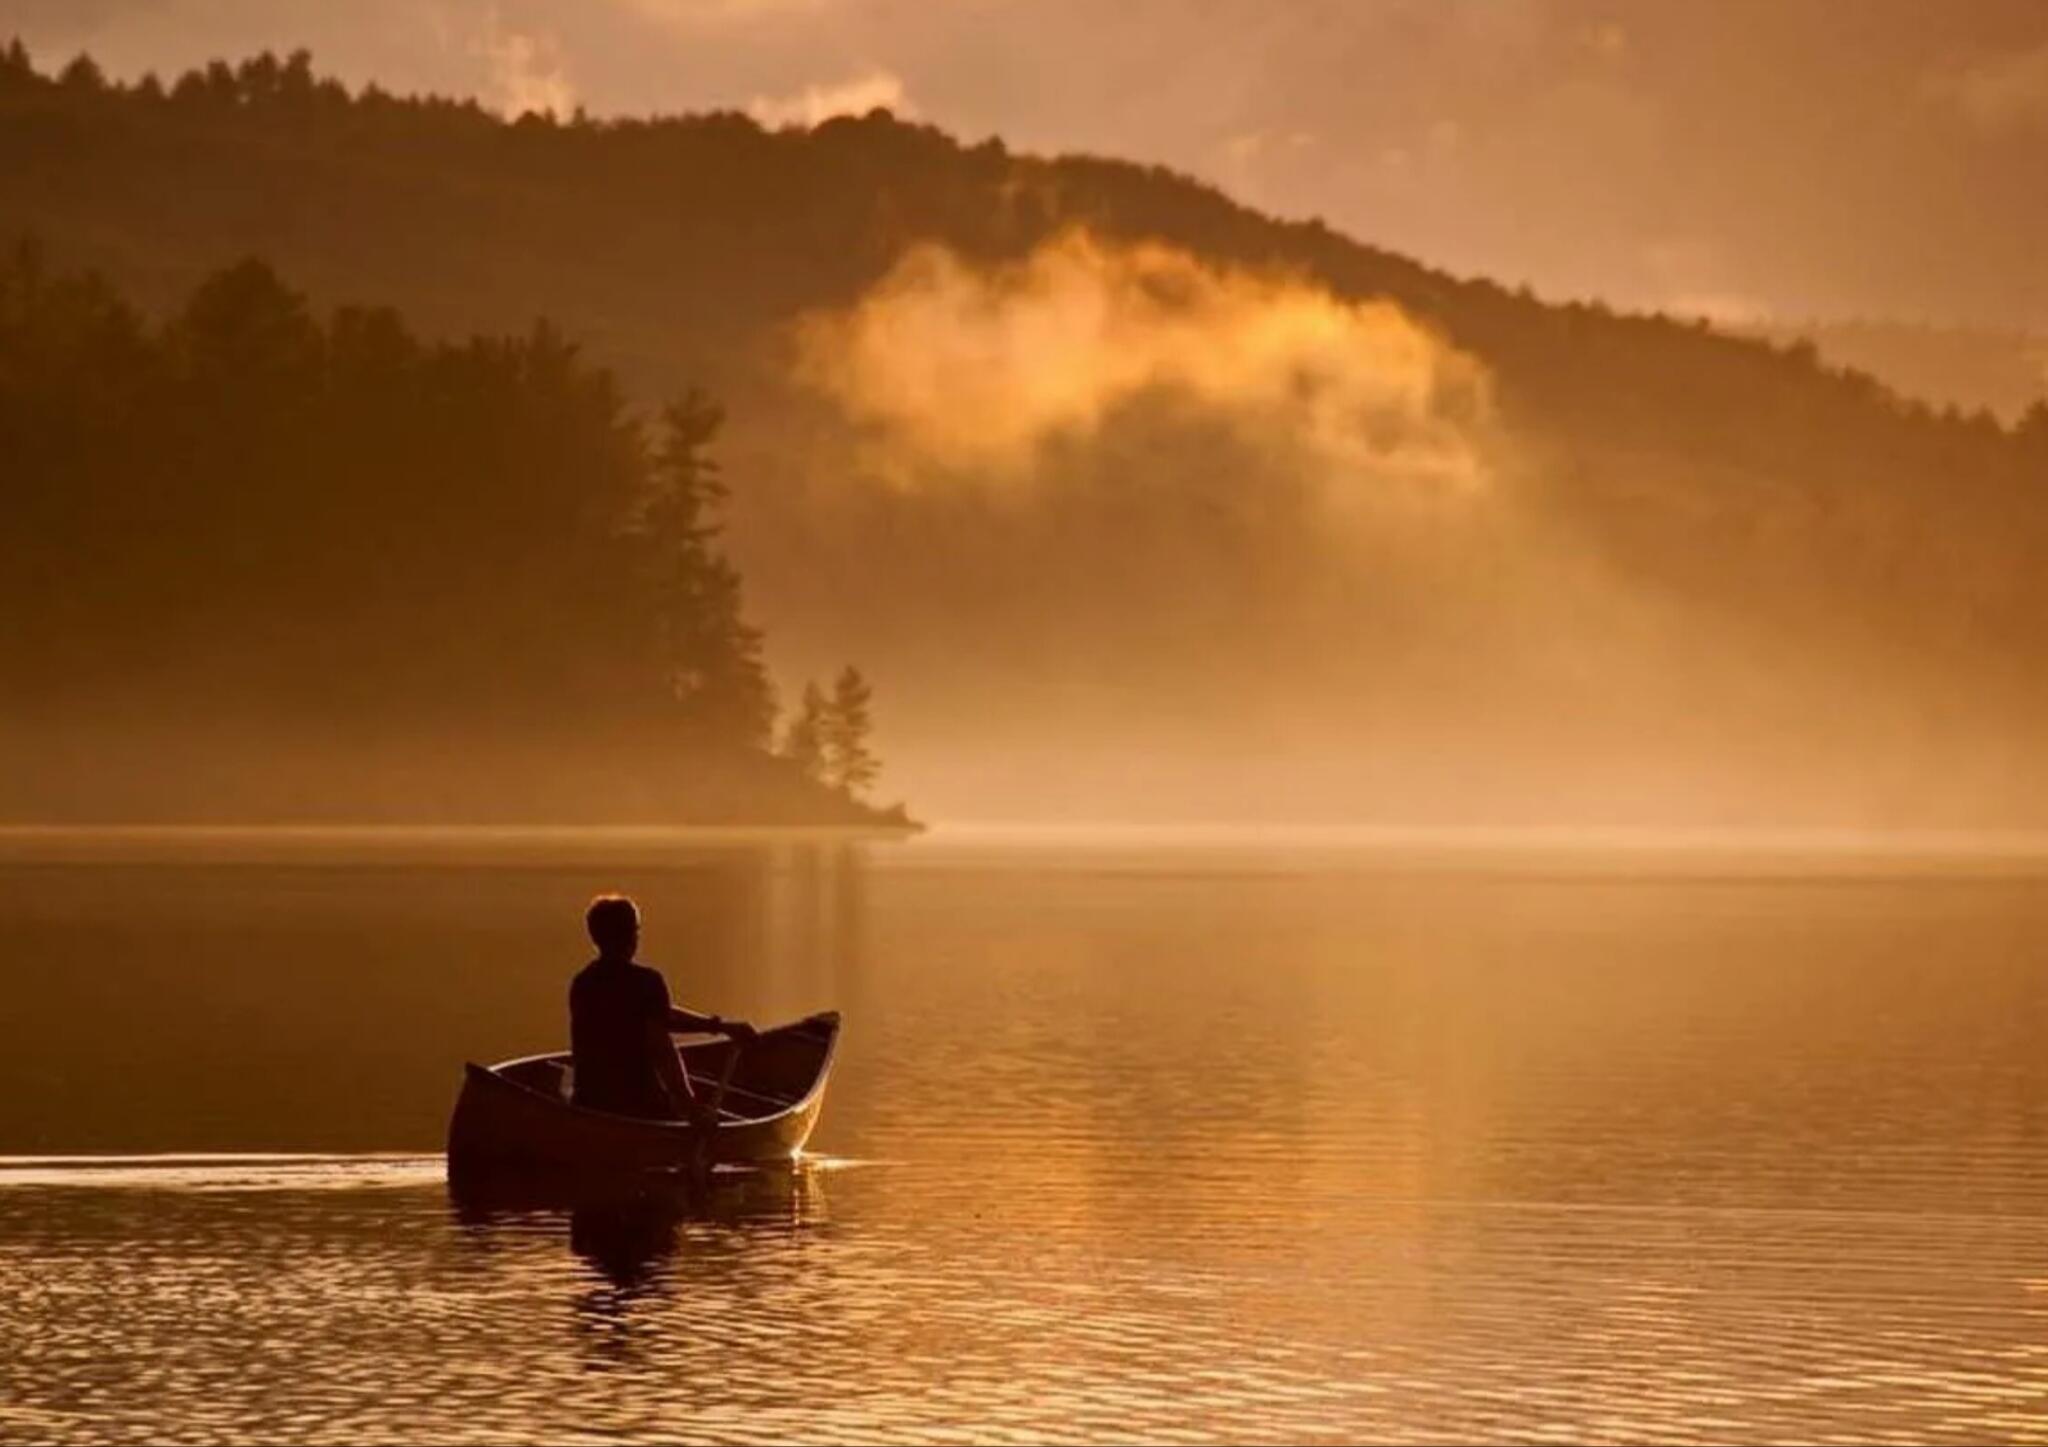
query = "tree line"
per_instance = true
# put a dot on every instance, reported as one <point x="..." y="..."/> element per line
<point x="247" y="510"/>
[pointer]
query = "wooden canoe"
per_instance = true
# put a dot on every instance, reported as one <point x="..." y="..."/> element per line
<point x="515" y="1117"/>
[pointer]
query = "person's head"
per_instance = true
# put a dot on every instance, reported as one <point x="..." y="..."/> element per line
<point x="614" y="924"/>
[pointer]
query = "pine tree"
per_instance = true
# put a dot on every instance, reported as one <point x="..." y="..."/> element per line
<point x="711" y="654"/>
<point x="83" y="74"/>
<point x="2032" y="429"/>
<point x="803" y="741"/>
<point x="849" y="763"/>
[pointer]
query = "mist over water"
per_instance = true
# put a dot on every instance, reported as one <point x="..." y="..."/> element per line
<point x="1129" y="533"/>
<point x="967" y="371"/>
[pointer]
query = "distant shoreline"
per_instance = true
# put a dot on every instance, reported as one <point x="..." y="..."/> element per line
<point x="345" y="829"/>
<point x="378" y="844"/>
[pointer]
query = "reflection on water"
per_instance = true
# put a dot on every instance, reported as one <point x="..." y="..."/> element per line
<point x="627" y="1231"/>
<point x="1180" y="1144"/>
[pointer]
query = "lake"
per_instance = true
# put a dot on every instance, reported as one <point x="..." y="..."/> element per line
<point x="1200" y="1137"/>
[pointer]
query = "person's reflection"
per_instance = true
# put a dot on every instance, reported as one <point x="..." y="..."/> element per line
<point x="634" y="1242"/>
<point x="627" y="1241"/>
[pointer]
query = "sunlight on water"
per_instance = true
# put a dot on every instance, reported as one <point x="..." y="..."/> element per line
<point x="221" y="1171"/>
<point x="266" y="1171"/>
<point x="1173" y="1143"/>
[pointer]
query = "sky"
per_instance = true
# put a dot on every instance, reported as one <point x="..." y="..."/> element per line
<point x="1746" y="160"/>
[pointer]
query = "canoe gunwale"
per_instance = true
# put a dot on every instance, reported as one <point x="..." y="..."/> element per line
<point x="502" y="1125"/>
<point x="829" y="1019"/>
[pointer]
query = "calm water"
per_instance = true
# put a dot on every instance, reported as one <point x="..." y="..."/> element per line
<point x="1129" y="1139"/>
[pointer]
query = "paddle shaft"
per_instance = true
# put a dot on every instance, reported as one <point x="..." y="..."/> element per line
<point x="708" y="1132"/>
<point x="732" y="1060"/>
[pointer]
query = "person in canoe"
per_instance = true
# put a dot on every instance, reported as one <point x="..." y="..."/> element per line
<point x="620" y="1018"/>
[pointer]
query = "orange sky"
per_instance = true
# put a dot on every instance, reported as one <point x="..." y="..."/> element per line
<point x="1781" y="158"/>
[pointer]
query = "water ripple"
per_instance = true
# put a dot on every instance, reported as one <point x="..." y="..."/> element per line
<point x="1178" y="1151"/>
<point x="807" y="1306"/>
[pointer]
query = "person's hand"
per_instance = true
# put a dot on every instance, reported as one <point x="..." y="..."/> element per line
<point x="740" y="1032"/>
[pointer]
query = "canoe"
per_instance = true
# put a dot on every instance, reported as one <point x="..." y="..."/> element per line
<point x="515" y="1117"/>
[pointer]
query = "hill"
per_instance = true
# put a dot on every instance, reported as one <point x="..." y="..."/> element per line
<point x="1143" y="502"/>
<point x="1967" y="368"/>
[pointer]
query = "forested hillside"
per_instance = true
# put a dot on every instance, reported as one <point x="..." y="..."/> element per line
<point x="260" y="564"/>
<point x="1350" y="536"/>
<point x="2003" y="372"/>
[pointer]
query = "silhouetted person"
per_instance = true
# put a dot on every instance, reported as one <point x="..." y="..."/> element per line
<point x="619" y="1023"/>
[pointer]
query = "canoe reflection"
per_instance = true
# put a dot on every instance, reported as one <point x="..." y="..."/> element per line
<point x="632" y="1233"/>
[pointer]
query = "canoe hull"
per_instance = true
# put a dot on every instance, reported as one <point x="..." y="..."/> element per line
<point x="514" y="1118"/>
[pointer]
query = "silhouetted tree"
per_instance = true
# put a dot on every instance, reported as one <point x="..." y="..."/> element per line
<point x="849" y="763"/>
<point x="711" y="653"/>
<point x="83" y="74"/>
<point x="337" y="516"/>
<point x="803" y="739"/>
<point x="2032" y="430"/>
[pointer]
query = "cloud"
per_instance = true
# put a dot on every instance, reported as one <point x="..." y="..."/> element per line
<point x="972" y="368"/>
<point x="816" y="104"/>
<point x="527" y="73"/>
<point x="2001" y="92"/>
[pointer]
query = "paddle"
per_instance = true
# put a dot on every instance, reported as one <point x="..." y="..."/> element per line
<point x="700" y="1164"/>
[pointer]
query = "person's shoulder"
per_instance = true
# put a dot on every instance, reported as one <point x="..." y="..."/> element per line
<point x="650" y="979"/>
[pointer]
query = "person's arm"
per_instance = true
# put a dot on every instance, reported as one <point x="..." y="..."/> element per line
<point x="690" y="1022"/>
